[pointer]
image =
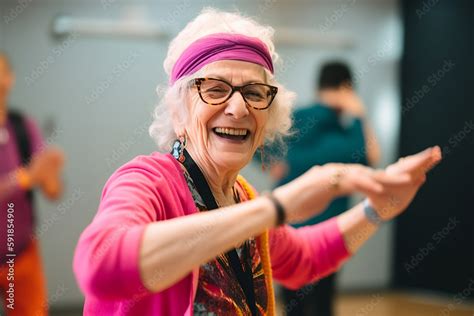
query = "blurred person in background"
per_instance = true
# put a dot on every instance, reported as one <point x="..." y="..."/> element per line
<point x="322" y="136"/>
<point x="25" y="165"/>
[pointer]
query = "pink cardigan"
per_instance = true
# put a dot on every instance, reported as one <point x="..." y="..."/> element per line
<point x="152" y="188"/>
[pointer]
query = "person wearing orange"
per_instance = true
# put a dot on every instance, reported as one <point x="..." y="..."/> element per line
<point x="26" y="164"/>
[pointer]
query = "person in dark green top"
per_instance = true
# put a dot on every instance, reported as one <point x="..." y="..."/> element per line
<point x="323" y="135"/>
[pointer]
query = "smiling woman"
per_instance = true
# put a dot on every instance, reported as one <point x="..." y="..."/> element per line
<point x="206" y="26"/>
<point x="184" y="233"/>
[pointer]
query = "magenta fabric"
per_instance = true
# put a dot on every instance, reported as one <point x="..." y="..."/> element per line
<point x="10" y="160"/>
<point x="153" y="188"/>
<point x="220" y="46"/>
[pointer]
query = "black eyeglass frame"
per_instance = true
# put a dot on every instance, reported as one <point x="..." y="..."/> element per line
<point x="197" y="82"/>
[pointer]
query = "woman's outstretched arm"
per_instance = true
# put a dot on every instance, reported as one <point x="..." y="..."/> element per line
<point x="133" y="244"/>
<point x="316" y="251"/>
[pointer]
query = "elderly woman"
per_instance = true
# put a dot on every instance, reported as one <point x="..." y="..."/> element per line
<point x="156" y="248"/>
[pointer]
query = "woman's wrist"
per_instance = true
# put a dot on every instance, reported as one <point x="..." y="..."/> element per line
<point x="285" y="194"/>
<point x="371" y="213"/>
<point x="356" y="227"/>
<point x="280" y="212"/>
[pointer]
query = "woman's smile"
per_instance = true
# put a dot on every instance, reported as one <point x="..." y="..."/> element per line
<point x="231" y="135"/>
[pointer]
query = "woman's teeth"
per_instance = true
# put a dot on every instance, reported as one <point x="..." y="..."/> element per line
<point x="231" y="131"/>
<point x="235" y="134"/>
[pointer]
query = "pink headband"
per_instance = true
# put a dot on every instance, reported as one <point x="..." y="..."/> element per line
<point x="220" y="46"/>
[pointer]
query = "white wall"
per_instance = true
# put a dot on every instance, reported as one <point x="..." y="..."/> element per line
<point x="101" y="128"/>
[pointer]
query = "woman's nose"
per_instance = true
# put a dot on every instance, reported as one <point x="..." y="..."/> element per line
<point x="236" y="106"/>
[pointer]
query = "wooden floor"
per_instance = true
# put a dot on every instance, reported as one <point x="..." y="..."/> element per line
<point x="397" y="304"/>
<point x="376" y="304"/>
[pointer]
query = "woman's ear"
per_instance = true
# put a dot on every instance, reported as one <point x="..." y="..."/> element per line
<point x="179" y="131"/>
<point x="178" y="123"/>
<point x="181" y="116"/>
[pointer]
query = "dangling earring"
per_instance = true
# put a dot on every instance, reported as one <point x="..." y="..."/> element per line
<point x="178" y="148"/>
<point x="262" y="158"/>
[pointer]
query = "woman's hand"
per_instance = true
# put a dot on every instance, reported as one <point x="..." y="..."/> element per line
<point x="389" y="191"/>
<point x="395" y="199"/>
<point x="310" y="194"/>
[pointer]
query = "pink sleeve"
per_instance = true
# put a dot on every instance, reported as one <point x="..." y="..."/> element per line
<point x="304" y="255"/>
<point x="35" y="136"/>
<point x="107" y="254"/>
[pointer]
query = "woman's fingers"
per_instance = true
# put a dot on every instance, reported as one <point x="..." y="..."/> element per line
<point x="419" y="163"/>
<point x="427" y="159"/>
<point x="385" y="178"/>
<point x="367" y="185"/>
<point x="368" y="181"/>
<point x="436" y="157"/>
<point x="359" y="178"/>
<point x="414" y="162"/>
<point x="348" y="178"/>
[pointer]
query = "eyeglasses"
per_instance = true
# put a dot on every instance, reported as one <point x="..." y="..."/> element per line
<point x="216" y="91"/>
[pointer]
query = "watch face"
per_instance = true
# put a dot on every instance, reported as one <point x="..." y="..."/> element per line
<point x="4" y="135"/>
